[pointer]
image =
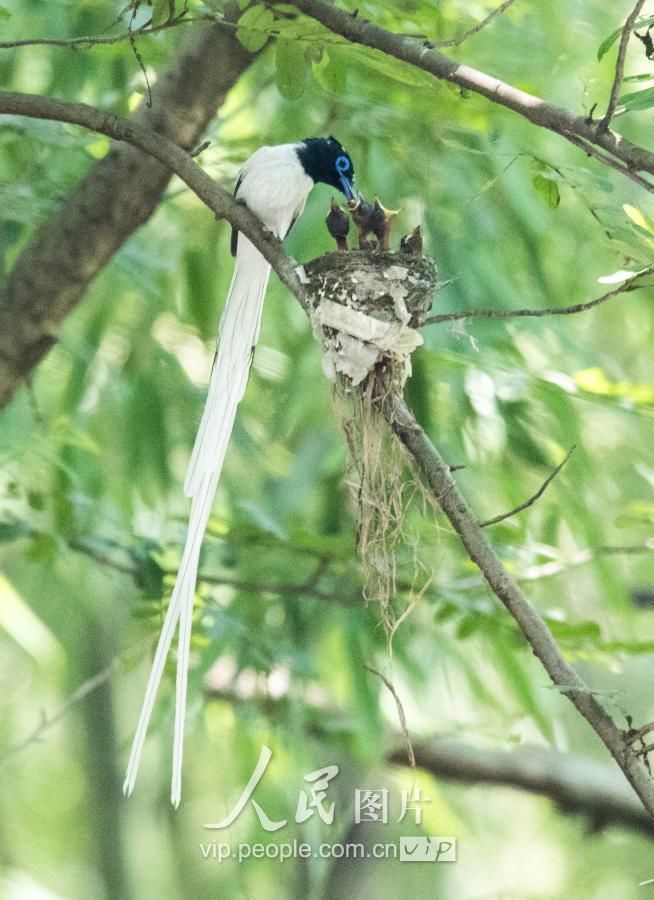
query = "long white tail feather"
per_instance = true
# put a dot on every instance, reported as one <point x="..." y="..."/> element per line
<point x="239" y="332"/>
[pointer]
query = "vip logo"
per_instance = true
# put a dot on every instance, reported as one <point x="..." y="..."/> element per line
<point x="434" y="848"/>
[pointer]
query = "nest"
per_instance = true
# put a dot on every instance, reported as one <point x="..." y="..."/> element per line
<point x="367" y="308"/>
<point x="366" y="311"/>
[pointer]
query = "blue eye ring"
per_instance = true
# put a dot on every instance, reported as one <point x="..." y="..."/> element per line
<point x="342" y="164"/>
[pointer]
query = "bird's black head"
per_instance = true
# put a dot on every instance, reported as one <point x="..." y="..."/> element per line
<point x="324" y="159"/>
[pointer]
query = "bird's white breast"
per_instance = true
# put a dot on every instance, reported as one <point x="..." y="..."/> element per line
<point x="275" y="186"/>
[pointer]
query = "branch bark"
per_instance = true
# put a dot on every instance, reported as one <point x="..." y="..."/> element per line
<point x="444" y="488"/>
<point x="539" y="112"/>
<point x="575" y="784"/>
<point x="118" y="195"/>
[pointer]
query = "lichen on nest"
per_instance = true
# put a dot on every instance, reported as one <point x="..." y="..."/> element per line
<point x="382" y="285"/>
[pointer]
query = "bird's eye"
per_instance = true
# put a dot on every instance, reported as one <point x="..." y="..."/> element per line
<point x="342" y="164"/>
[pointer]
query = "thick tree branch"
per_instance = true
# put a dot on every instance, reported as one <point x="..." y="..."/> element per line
<point x="119" y="193"/>
<point x="545" y="115"/>
<point x="619" y="66"/>
<point x="445" y="490"/>
<point x="575" y="784"/>
<point x="28" y="319"/>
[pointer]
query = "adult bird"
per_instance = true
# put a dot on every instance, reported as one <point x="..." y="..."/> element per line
<point x="274" y="183"/>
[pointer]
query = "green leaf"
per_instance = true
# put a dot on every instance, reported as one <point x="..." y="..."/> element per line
<point x="254" y="28"/>
<point x="162" y="12"/>
<point x="469" y="624"/>
<point x="644" y="76"/>
<point x="638" y="100"/>
<point x="606" y="44"/>
<point x="290" y="71"/>
<point x="544" y="180"/>
<point x="36" y="500"/>
<point x="331" y="71"/>
<point x="4" y="13"/>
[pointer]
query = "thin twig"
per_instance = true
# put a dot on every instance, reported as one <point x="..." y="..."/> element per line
<point x="138" y="57"/>
<point x="305" y="588"/>
<point x="400" y="712"/>
<point x="86" y="42"/>
<point x="46" y="723"/>
<point x="581" y="558"/>
<point x="619" y="67"/>
<point x="539" y="493"/>
<point x="454" y="42"/>
<point x="628" y="285"/>
<point x="200" y="149"/>
<point x="608" y="160"/>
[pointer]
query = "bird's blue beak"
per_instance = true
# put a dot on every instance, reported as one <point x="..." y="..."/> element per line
<point x="343" y="165"/>
<point x="346" y="186"/>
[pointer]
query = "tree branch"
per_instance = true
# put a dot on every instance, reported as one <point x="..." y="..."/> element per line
<point x="539" y="493"/>
<point x="575" y="784"/>
<point x="445" y="490"/>
<point x="545" y="115"/>
<point x="608" y="160"/>
<point x="46" y="723"/>
<point x="85" y="42"/>
<point x="27" y="333"/>
<point x="630" y="284"/>
<point x="118" y="195"/>
<point x="619" y="66"/>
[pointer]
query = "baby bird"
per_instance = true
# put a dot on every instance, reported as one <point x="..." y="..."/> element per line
<point x="338" y="224"/>
<point x="412" y="243"/>
<point x="362" y="214"/>
<point x="381" y="222"/>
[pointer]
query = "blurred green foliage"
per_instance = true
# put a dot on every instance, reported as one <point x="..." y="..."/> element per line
<point x="92" y="457"/>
